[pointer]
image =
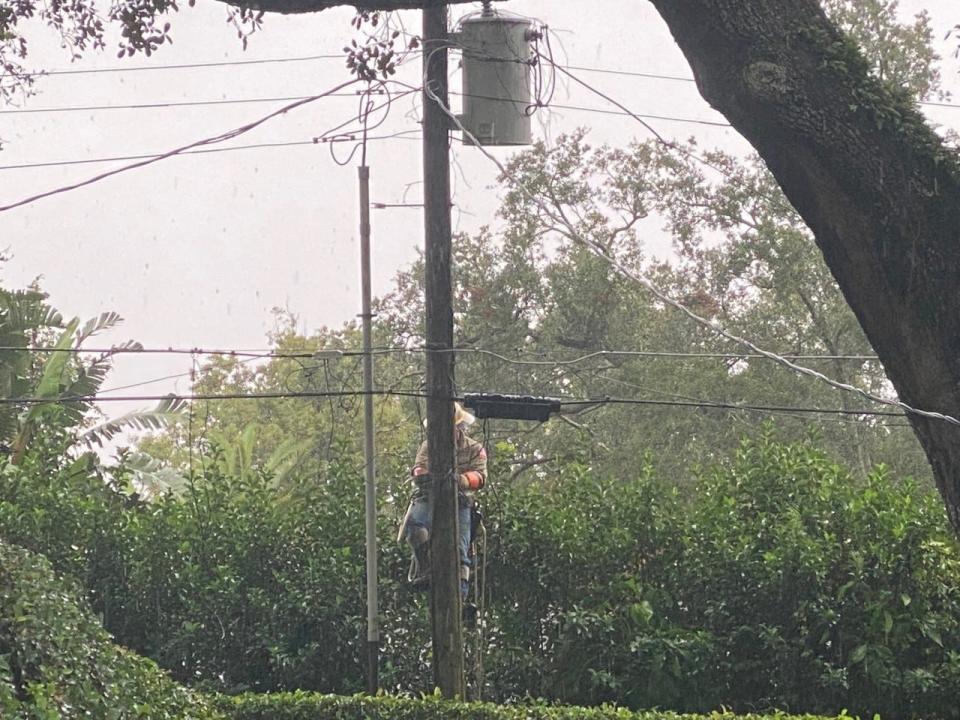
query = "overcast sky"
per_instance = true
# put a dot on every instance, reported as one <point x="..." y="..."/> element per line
<point x="195" y="251"/>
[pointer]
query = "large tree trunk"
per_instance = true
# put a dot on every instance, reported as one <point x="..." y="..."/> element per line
<point x="877" y="187"/>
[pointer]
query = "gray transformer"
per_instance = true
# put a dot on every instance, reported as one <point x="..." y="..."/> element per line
<point x="496" y="78"/>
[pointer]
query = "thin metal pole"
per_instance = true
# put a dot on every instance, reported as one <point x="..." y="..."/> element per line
<point x="445" y="567"/>
<point x="369" y="448"/>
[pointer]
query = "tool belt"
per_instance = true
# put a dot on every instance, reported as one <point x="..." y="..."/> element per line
<point x="423" y="487"/>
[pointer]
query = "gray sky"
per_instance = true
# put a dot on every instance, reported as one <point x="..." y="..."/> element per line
<point x="195" y="251"/>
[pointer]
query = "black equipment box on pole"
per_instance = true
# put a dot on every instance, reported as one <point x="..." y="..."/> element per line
<point x="511" y="407"/>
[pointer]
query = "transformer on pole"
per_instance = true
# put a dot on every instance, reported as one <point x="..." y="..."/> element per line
<point x="496" y="77"/>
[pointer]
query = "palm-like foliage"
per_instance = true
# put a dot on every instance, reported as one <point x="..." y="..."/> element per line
<point x="58" y="387"/>
<point x="24" y="317"/>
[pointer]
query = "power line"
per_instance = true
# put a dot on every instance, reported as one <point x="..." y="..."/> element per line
<point x="564" y="402"/>
<point x="183" y="66"/>
<point x="707" y="405"/>
<point x="73" y="399"/>
<point x="402" y="135"/>
<point x="559" y="217"/>
<point x="627" y="73"/>
<point x="230" y="134"/>
<point x="601" y="111"/>
<point x="58" y="163"/>
<point x="678" y="78"/>
<point x="265" y="354"/>
<point x="243" y="101"/>
<point x="332" y="353"/>
<point x="329" y="136"/>
<point x="160" y="105"/>
<point x="308" y="58"/>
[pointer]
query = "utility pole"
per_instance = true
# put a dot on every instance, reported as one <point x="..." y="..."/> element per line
<point x="369" y="450"/>
<point x="445" y="607"/>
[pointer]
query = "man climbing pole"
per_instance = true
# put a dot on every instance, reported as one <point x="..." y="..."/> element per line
<point x="471" y="473"/>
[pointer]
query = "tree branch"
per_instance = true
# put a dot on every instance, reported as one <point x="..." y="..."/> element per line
<point x="855" y="157"/>
<point x="296" y="7"/>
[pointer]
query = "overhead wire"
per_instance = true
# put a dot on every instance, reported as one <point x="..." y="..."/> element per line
<point x="97" y="398"/>
<point x="344" y="394"/>
<point x="625" y="110"/>
<point x="161" y="105"/>
<point x="678" y="78"/>
<point x="228" y="135"/>
<point x="405" y="134"/>
<point x="571" y="233"/>
<point x="542" y="359"/>
<point x="309" y="58"/>
<point x="400" y="135"/>
<point x="640" y="119"/>
<point x="181" y="66"/>
<point x="176" y="376"/>
<point x="538" y="82"/>
<point x="327" y="136"/>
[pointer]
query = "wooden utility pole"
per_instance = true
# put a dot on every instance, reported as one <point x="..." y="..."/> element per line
<point x="369" y="449"/>
<point x="445" y="571"/>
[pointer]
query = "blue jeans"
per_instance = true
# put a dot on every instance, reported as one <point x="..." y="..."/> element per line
<point x="420" y="516"/>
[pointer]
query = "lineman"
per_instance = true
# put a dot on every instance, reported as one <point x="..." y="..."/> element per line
<point x="471" y="472"/>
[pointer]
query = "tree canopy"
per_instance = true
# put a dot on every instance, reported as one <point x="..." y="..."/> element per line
<point x="879" y="189"/>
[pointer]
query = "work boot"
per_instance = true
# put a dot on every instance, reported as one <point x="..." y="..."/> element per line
<point x="470" y="613"/>
<point x="421" y="567"/>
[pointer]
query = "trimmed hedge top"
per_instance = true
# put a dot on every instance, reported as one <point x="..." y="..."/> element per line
<point x="312" y="706"/>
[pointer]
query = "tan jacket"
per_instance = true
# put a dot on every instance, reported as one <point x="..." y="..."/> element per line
<point x="470" y="455"/>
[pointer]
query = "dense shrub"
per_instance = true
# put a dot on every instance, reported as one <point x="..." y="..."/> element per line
<point x="822" y="591"/>
<point x="307" y="706"/>
<point x="775" y="581"/>
<point x="782" y="582"/>
<point x="57" y="662"/>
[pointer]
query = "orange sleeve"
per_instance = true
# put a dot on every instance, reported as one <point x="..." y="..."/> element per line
<point x="472" y="480"/>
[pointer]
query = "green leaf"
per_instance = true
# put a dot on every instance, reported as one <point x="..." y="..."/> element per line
<point x="859" y="654"/>
<point x="933" y="634"/>
<point x="167" y="411"/>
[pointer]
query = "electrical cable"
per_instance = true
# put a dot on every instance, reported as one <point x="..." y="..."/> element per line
<point x="712" y="325"/>
<point x="401" y="135"/>
<point x="678" y="78"/>
<point x="557" y="106"/>
<point x="165" y="378"/>
<point x="343" y="394"/>
<point x="543" y="360"/>
<point x="663" y="141"/>
<point x="623" y="113"/>
<point x="72" y="399"/>
<point x="707" y="405"/>
<point x="581" y="68"/>
<point x="183" y="66"/>
<point x="308" y="58"/>
<point x="161" y="105"/>
<point x="257" y="354"/>
<point x="229" y="135"/>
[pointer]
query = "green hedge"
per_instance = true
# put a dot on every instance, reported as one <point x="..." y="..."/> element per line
<point x="57" y="663"/>
<point x="777" y="580"/>
<point x="311" y="706"/>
